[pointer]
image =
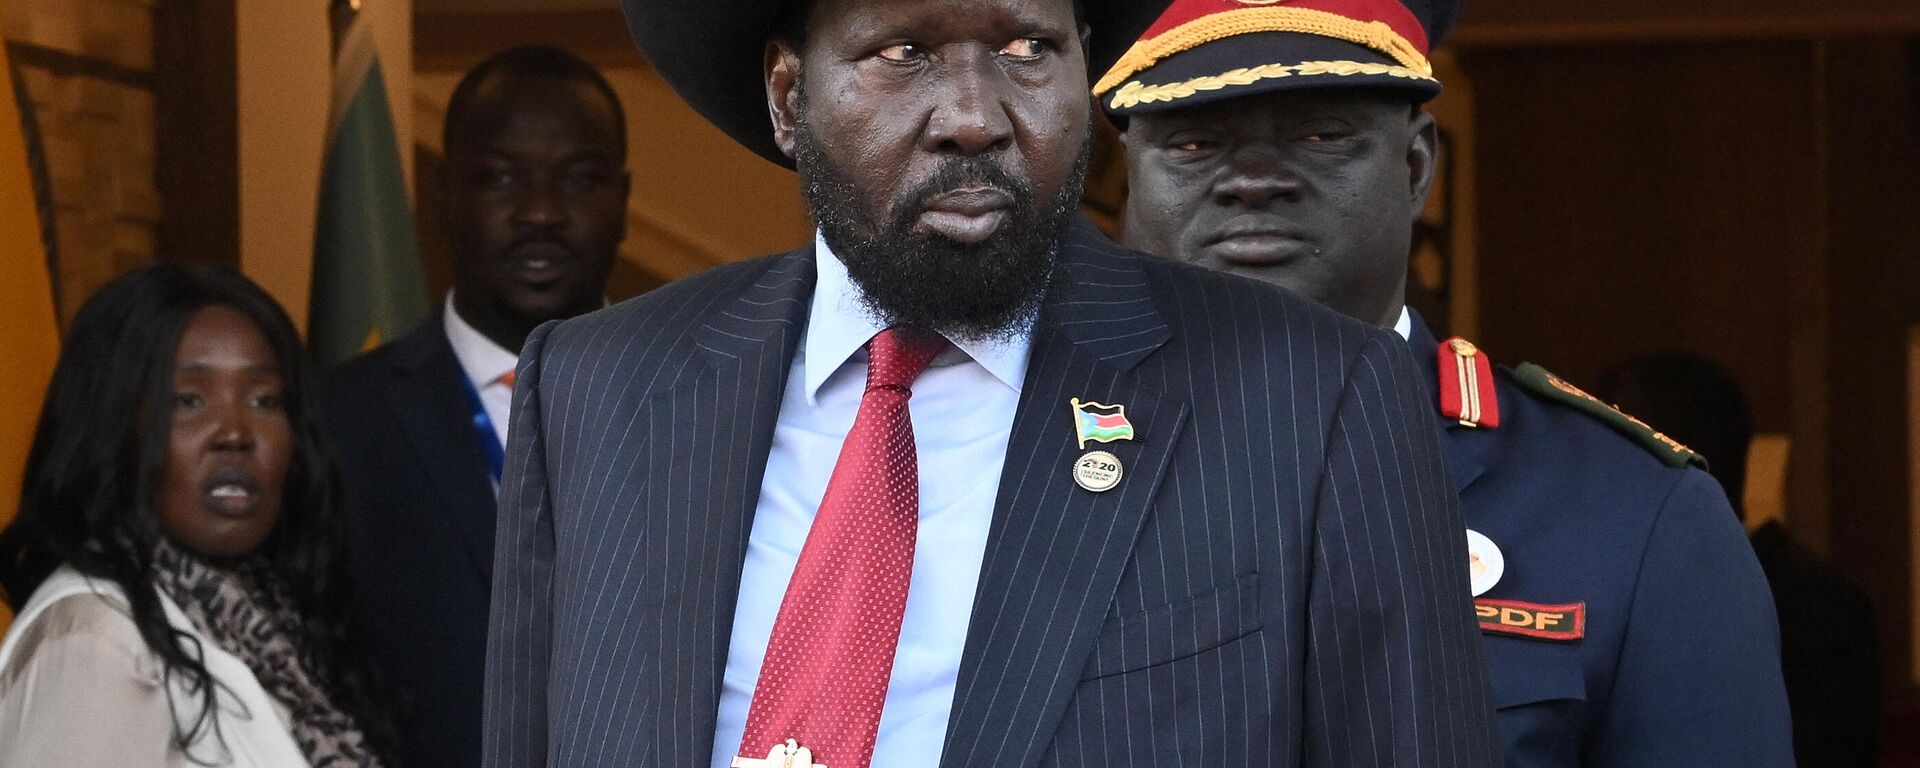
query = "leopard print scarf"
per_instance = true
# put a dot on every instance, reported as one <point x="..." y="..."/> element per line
<point x="250" y="614"/>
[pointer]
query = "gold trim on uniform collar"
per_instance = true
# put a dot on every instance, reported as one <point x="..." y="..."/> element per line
<point x="1376" y="35"/>
<point x="1469" y="380"/>
<point x="1136" y="93"/>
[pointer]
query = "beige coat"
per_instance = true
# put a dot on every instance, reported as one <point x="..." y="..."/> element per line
<point x="79" y="688"/>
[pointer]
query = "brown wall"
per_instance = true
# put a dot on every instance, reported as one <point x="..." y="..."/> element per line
<point x="1631" y="204"/>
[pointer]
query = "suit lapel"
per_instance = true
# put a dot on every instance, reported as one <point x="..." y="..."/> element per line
<point x="721" y="425"/>
<point x="1056" y="551"/>
<point x="1465" y="446"/>
<point x="423" y="397"/>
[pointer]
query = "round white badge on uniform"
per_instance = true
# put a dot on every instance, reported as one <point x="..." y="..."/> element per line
<point x="1485" y="564"/>
<point x="1097" y="471"/>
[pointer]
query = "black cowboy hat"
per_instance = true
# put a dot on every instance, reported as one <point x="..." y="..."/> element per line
<point x="711" y="52"/>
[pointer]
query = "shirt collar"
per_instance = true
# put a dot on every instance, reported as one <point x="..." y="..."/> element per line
<point x="483" y="360"/>
<point x="1404" y="325"/>
<point x="838" y="328"/>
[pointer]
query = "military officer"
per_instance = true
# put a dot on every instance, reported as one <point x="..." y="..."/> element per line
<point x="1625" y="620"/>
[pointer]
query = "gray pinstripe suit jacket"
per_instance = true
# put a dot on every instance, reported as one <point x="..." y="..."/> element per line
<point x="1277" y="581"/>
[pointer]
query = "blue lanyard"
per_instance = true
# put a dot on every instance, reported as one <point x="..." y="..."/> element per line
<point x="496" y="453"/>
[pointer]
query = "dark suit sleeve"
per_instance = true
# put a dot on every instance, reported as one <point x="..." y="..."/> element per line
<point x="1394" y="675"/>
<point x="1699" y="678"/>
<point x="519" y="640"/>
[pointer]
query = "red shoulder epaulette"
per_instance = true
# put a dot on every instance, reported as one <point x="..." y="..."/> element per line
<point x="1466" y="385"/>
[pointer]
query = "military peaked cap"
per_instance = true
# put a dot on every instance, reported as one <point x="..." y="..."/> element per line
<point x="1202" y="51"/>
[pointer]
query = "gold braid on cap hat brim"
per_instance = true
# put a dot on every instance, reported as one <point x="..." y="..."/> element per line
<point x="1136" y="93"/>
<point x="1376" y="35"/>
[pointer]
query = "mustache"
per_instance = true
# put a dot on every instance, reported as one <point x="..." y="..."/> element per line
<point x="964" y="173"/>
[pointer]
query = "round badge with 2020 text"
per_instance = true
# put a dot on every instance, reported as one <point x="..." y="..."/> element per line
<point x="1097" y="471"/>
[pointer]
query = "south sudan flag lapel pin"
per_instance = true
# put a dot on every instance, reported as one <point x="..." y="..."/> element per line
<point x="1099" y="422"/>
<point x="1099" y="471"/>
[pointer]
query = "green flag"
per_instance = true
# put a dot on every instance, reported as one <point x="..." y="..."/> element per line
<point x="367" y="286"/>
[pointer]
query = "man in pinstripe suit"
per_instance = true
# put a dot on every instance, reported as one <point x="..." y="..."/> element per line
<point x="1266" y="574"/>
<point x="1626" y="621"/>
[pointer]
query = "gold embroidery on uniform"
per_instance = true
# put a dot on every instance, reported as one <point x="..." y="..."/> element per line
<point x="1570" y="389"/>
<point x="1135" y="93"/>
<point x="1464" y="377"/>
<point x="1376" y="35"/>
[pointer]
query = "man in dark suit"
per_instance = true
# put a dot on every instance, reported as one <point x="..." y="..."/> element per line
<point x="963" y="483"/>
<point x="533" y="194"/>
<point x="1624" y="618"/>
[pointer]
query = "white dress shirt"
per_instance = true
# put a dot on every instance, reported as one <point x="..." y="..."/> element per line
<point x="962" y="411"/>
<point x="485" y="363"/>
<point x="1404" y="325"/>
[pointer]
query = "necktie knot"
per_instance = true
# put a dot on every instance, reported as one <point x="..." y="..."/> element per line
<point x="897" y="356"/>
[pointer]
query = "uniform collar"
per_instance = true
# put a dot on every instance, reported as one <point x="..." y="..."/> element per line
<point x="838" y="328"/>
<point x="483" y="360"/>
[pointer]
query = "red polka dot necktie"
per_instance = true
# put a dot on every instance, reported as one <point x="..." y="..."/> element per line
<point x="824" y="679"/>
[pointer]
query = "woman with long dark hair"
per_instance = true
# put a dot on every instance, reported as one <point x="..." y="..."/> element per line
<point x="174" y="563"/>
